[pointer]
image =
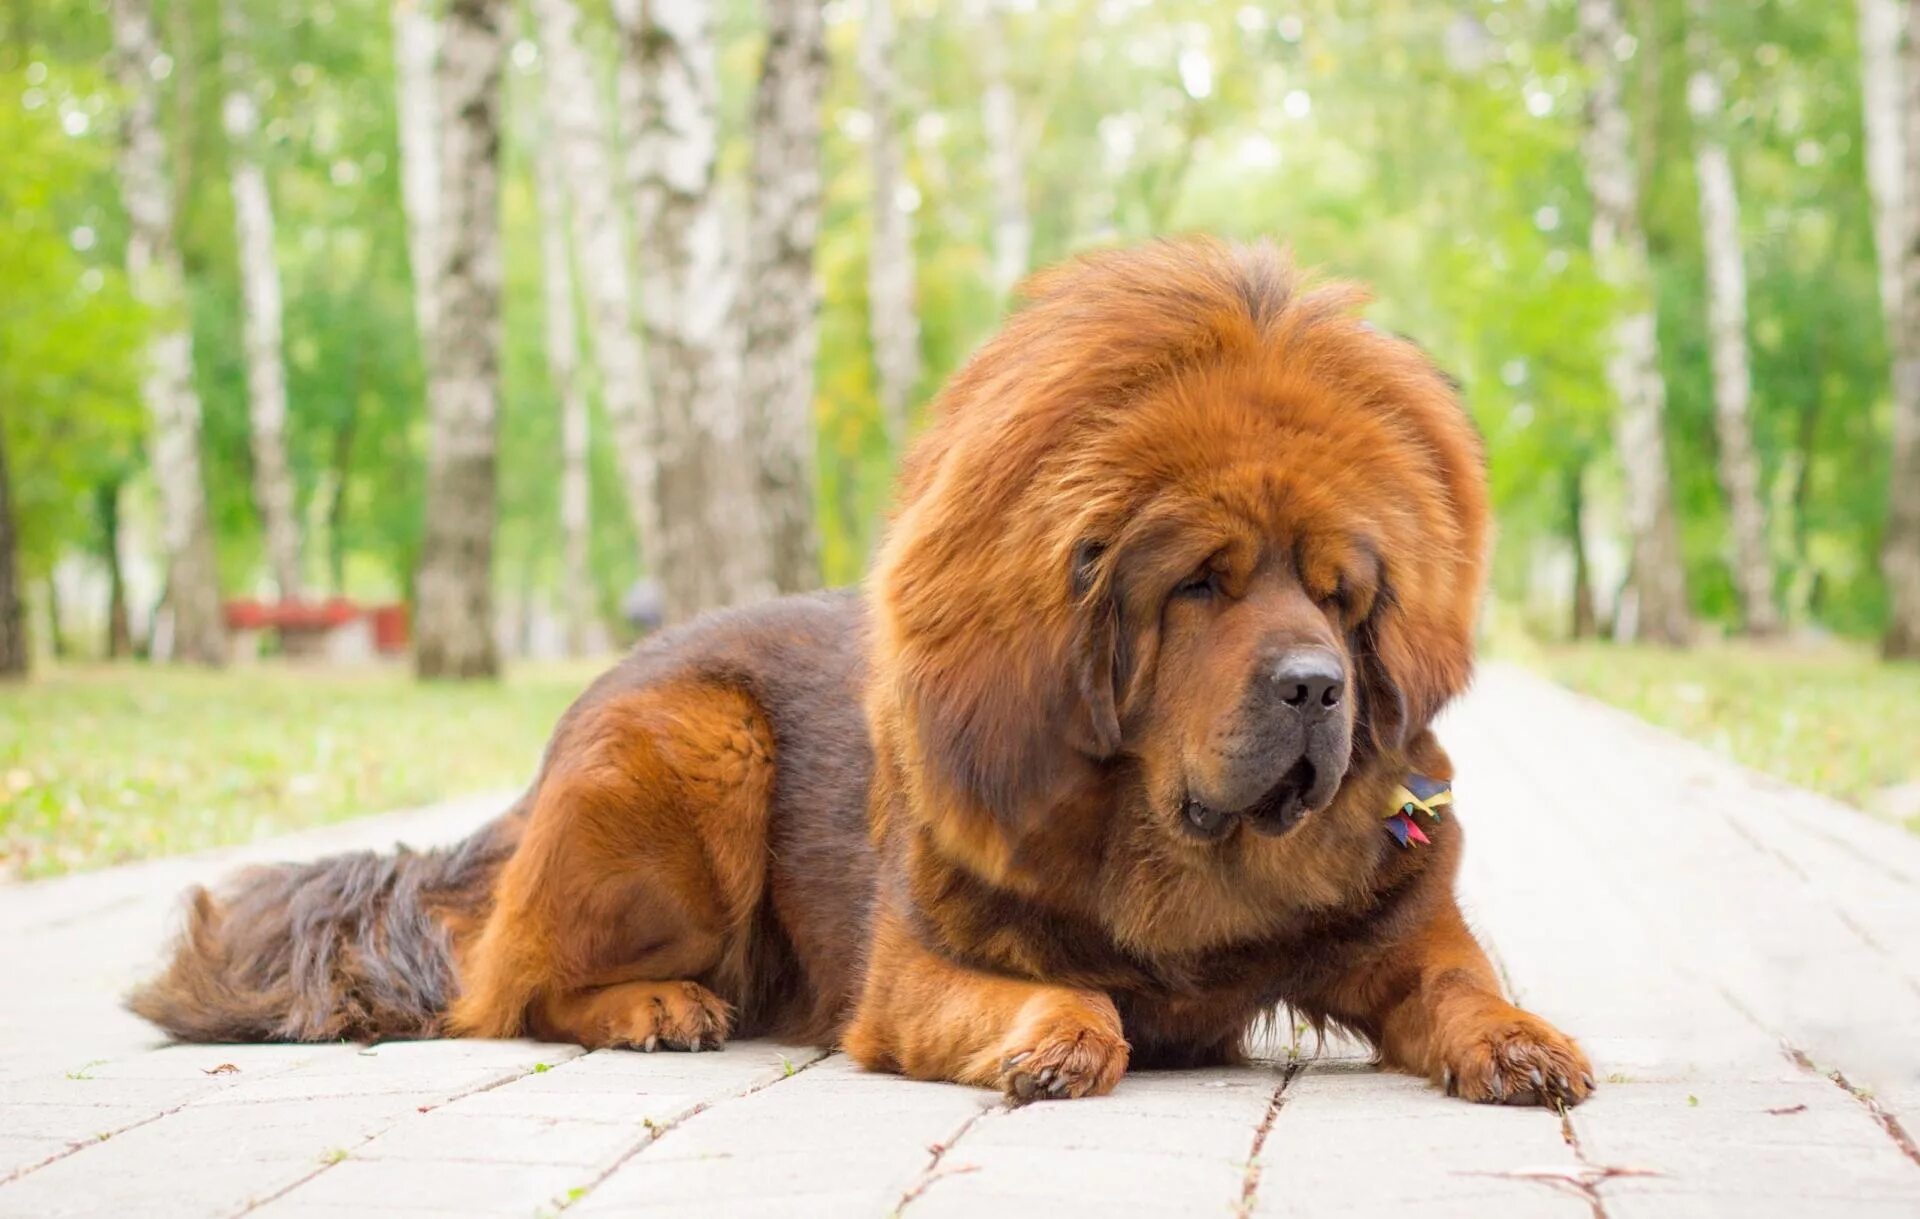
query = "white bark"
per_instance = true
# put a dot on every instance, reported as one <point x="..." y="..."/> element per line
<point x="1726" y="267"/>
<point x="153" y="264"/>
<point x="782" y="300"/>
<point x="416" y="45"/>
<point x="713" y="544"/>
<point x="261" y="313"/>
<point x="1006" y="158"/>
<point x="1900" y="554"/>
<point x="1881" y="25"/>
<point x="455" y="588"/>
<point x="563" y="369"/>
<point x="579" y="131"/>
<point x="1657" y="608"/>
<point x="893" y="318"/>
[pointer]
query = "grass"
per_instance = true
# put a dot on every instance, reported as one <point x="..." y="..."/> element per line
<point x="103" y="764"/>
<point x="1830" y="717"/>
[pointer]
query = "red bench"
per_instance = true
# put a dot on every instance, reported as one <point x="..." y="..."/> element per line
<point x="311" y="628"/>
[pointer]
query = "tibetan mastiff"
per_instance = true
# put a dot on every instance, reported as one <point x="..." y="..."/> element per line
<point x="1124" y="746"/>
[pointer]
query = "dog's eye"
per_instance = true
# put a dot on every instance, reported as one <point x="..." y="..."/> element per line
<point x="1200" y="584"/>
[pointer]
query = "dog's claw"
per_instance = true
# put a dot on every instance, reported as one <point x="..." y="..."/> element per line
<point x="652" y="1043"/>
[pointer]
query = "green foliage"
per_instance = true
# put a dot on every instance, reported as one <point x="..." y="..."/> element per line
<point x="69" y="332"/>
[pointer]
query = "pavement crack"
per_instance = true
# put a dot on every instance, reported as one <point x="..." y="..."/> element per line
<point x="1585" y="1178"/>
<point x="80" y="1145"/>
<point x="340" y="1155"/>
<point x="656" y="1130"/>
<point x="1888" y="1122"/>
<point x="937" y="1169"/>
<point x="1250" y="1178"/>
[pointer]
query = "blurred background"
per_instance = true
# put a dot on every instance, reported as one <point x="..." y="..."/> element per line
<point x="370" y="370"/>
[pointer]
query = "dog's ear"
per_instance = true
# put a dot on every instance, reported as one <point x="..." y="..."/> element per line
<point x="1012" y="717"/>
<point x="1409" y="669"/>
<point x="1094" y="656"/>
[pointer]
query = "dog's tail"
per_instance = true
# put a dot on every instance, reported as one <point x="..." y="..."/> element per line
<point x="356" y="947"/>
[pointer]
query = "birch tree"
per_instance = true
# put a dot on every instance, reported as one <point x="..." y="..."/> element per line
<point x="13" y="606"/>
<point x="455" y="587"/>
<point x="563" y="369"/>
<point x="416" y="44"/>
<point x="782" y="299"/>
<point x="1900" y="552"/>
<point x="261" y="310"/>
<point x="1657" y="590"/>
<point x="712" y="546"/>
<point x="1006" y="160"/>
<point x="581" y="136"/>
<point x="153" y="265"/>
<point x="1726" y="268"/>
<point x="1882" y="104"/>
<point x="893" y="319"/>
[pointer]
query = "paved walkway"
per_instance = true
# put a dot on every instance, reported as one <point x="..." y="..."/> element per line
<point x="1742" y="960"/>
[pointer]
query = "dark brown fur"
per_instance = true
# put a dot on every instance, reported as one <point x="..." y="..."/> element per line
<point x="941" y="825"/>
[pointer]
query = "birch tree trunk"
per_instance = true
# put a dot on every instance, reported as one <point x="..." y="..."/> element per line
<point x="1882" y="103"/>
<point x="1900" y="553"/>
<point x="782" y="300"/>
<point x="261" y="316"/>
<point x="119" y="636"/>
<point x="1006" y="160"/>
<point x="563" y="368"/>
<point x="416" y="43"/>
<point x="1584" y="620"/>
<point x="1726" y="267"/>
<point x="455" y="587"/>
<point x="713" y="542"/>
<point x="1657" y="588"/>
<point x="199" y="632"/>
<point x="893" y="320"/>
<point x="13" y="607"/>
<point x="579" y="131"/>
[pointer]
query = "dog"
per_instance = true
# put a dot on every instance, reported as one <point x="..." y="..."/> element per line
<point x="1125" y="745"/>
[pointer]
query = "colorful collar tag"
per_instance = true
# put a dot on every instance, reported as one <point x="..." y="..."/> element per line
<point x="1416" y="794"/>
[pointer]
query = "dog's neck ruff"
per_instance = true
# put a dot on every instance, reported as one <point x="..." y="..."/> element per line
<point x="1415" y="794"/>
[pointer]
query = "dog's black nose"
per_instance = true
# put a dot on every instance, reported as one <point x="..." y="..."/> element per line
<point x="1310" y="680"/>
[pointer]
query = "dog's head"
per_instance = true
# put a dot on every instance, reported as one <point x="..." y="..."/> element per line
<point x="1185" y="525"/>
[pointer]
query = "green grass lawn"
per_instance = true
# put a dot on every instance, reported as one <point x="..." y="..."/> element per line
<point x="1833" y="718"/>
<point x="109" y="763"/>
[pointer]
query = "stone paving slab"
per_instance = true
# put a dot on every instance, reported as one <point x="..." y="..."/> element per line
<point x="1739" y="957"/>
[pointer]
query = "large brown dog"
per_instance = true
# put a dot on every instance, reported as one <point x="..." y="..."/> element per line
<point x="1096" y="774"/>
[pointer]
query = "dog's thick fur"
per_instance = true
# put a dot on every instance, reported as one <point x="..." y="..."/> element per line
<point x="941" y="825"/>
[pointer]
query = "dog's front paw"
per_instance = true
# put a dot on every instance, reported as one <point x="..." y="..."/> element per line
<point x="1064" y="1052"/>
<point x="1503" y="1055"/>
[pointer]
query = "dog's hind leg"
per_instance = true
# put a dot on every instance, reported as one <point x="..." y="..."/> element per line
<point x="623" y="916"/>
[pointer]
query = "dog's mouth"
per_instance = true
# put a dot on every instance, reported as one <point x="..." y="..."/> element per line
<point x="1284" y="806"/>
